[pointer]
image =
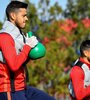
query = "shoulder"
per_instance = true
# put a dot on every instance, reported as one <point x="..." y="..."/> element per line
<point x="76" y="71"/>
<point x="5" y="38"/>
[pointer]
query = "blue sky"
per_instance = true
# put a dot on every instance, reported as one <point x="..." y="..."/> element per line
<point x="4" y="3"/>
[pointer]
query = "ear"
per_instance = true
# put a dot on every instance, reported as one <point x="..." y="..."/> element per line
<point x="12" y="16"/>
<point x="86" y="53"/>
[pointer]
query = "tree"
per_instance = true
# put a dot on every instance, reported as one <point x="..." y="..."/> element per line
<point x="0" y="25"/>
<point x="77" y="10"/>
<point x="55" y="11"/>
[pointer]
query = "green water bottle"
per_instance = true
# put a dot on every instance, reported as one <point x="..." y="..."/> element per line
<point x="38" y="51"/>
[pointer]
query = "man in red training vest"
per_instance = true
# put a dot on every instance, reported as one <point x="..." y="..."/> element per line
<point x="14" y="50"/>
<point x="79" y="86"/>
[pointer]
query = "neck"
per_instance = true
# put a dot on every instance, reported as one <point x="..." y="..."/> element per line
<point x="87" y="60"/>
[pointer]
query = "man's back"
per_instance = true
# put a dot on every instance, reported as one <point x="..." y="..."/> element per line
<point x="5" y="71"/>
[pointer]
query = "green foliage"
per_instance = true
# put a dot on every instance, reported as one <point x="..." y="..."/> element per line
<point x="77" y="10"/>
<point x="55" y="10"/>
<point x="0" y="25"/>
<point x="48" y="73"/>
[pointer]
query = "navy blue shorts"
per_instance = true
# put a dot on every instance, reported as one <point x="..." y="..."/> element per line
<point x="29" y="94"/>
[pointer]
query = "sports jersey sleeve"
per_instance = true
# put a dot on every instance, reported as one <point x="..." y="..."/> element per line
<point x="77" y="77"/>
<point x="13" y="60"/>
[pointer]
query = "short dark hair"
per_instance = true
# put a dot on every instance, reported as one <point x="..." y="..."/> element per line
<point x="13" y="6"/>
<point x="85" y="45"/>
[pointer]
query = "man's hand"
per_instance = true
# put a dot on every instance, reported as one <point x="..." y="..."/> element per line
<point x="32" y="41"/>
